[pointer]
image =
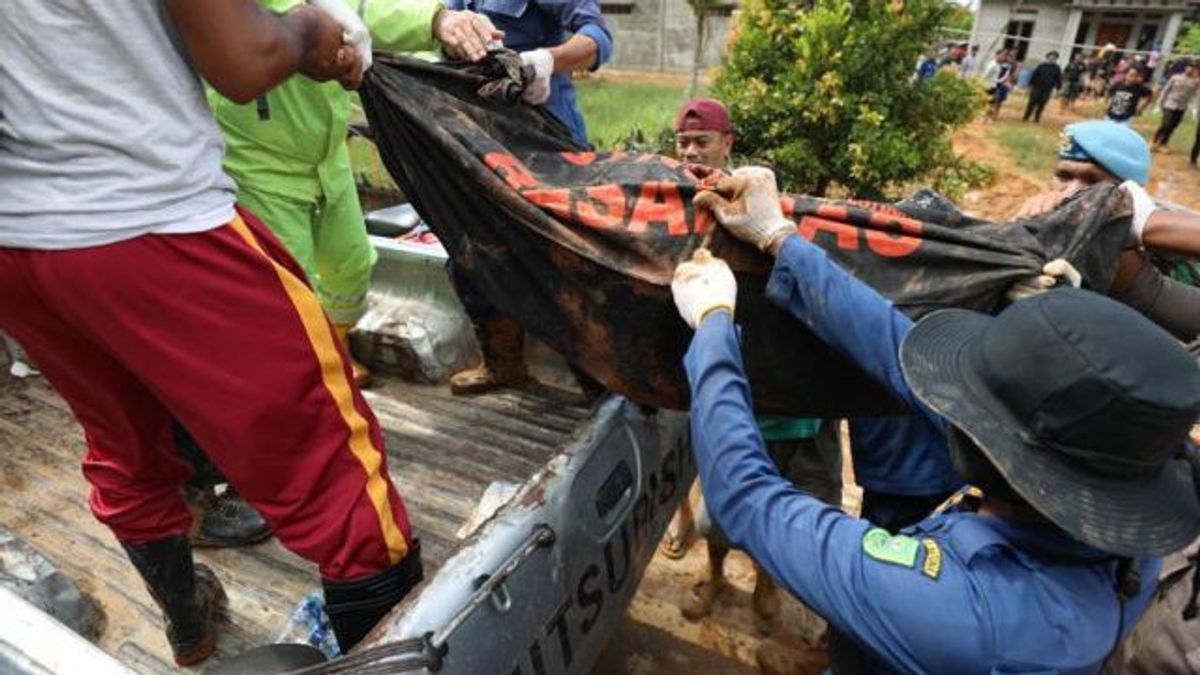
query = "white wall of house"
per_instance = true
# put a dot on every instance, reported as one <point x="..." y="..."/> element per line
<point x="661" y="35"/>
<point x="1057" y="23"/>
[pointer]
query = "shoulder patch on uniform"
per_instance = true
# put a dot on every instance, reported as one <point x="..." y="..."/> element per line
<point x="932" y="567"/>
<point x="898" y="549"/>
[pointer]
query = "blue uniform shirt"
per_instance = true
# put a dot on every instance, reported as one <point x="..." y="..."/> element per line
<point x="904" y="455"/>
<point x="958" y="593"/>
<point x="896" y="455"/>
<point x="538" y="24"/>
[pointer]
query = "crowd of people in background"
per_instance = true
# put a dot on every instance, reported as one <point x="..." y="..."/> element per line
<point x="1125" y="83"/>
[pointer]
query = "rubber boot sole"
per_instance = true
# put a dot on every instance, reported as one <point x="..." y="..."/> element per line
<point x="200" y="652"/>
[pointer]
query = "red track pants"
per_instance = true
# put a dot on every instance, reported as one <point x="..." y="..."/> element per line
<point x="219" y="330"/>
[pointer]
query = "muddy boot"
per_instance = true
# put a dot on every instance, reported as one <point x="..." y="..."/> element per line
<point x="354" y="607"/>
<point x="791" y="656"/>
<point x="766" y="601"/>
<point x="502" y="343"/>
<point x="190" y="596"/>
<point x="224" y="520"/>
<point x="362" y="375"/>
<point x="705" y="593"/>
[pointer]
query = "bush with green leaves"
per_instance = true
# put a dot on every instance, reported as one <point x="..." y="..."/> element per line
<point x="822" y="91"/>
<point x="1189" y="41"/>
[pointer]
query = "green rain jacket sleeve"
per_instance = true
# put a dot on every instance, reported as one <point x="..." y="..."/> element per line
<point x="399" y="25"/>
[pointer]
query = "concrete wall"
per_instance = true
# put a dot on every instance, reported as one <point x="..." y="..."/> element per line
<point x="1049" y="18"/>
<point x="1057" y="21"/>
<point x="661" y="35"/>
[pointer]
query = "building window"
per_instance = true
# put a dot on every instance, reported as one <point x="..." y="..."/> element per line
<point x="1147" y="37"/>
<point x="1016" y="37"/>
<point x="616" y="7"/>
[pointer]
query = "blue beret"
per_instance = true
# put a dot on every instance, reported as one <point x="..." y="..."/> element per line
<point x="1116" y="147"/>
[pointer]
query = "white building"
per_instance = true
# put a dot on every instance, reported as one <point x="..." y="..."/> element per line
<point x="1034" y="27"/>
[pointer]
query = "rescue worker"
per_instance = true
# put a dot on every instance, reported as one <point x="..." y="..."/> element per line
<point x="805" y="451"/>
<point x="287" y="153"/>
<point x="1101" y="151"/>
<point x="538" y="30"/>
<point x="143" y="295"/>
<point x="1081" y="461"/>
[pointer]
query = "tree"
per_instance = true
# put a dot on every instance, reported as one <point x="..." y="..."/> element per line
<point x="959" y="20"/>
<point x="701" y="10"/>
<point x="822" y="92"/>
<point x="1189" y="41"/>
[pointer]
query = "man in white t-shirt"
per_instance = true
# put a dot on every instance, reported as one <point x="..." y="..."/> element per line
<point x="143" y="294"/>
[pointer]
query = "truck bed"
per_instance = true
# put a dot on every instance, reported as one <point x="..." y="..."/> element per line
<point x="443" y="452"/>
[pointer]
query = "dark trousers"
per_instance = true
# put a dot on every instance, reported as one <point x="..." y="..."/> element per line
<point x="1038" y="98"/>
<point x="1170" y="122"/>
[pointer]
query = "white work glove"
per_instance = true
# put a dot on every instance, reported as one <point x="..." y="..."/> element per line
<point x="747" y="204"/>
<point x="703" y="285"/>
<point x="354" y="31"/>
<point x="1053" y="273"/>
<point x="542" y="61"/>
<point x="1143" y="207"/>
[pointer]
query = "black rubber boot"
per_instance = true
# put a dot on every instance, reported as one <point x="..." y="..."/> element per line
<point x="354" y="607"/>
<point x="190" y="596"/>
<point x="224" y="520"/>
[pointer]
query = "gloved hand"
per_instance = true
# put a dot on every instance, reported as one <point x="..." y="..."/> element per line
<point x="542" y="61"/>
<point x="747" y="204"/>
<point x="465" y="35"/>
<point x="1053" y="273"/>
<point x="1143" y="207"/>
<point x="703" y="285"/>
<point x="354" y="31"/>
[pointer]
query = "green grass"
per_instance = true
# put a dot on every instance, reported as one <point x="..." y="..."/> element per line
<point x="1032" y="147"/>
<point x="1183" y="138"/>
<point x="613" y="109"/>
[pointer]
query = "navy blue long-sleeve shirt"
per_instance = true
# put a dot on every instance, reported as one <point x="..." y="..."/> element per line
<point x="537" y="24"/>
<point x="958" y="593"/>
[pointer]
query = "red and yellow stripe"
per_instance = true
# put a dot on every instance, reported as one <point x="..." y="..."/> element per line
<point x="333" y="376"/>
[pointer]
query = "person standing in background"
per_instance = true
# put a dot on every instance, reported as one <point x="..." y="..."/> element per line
<point x="999" y="78"/>
<point x="970" y="64"/>
<point x="1074" y="75"/>
<point x="1129" y="98"/>
<point x="1047" y="78"/>
<point x="1178" y="95"/>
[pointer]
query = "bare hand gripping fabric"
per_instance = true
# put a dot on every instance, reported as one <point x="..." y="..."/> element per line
<point x="580" y="246"/>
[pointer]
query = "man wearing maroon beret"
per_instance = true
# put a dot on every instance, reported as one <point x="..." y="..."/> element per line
<point x="806" y="451"/>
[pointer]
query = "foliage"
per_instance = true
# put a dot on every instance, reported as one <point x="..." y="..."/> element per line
<point x="959" y="19"/>
<point x="957" y="175"/>
<point x="1189" y="41"/>
<point x="822" y="91"/>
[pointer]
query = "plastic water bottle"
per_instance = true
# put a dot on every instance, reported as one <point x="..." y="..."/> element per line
<point x="309" y="624"/>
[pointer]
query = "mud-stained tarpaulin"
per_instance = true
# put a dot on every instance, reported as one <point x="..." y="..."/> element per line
<point x="580" y="246"/>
